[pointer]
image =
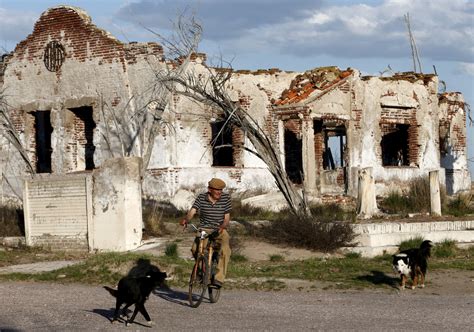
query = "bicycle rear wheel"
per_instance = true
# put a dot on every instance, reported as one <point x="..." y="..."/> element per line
<point x="198" y="282"/>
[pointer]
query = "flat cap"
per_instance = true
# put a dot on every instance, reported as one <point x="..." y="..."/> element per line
<point x="216" y="183"/>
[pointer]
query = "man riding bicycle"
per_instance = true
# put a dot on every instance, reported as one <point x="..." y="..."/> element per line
<point x="214" y="208"/>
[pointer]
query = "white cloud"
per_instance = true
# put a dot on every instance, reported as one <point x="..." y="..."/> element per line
<point x="15" y="26"/>
<point x="443" y="30"/>
<point x="319" y="18"/>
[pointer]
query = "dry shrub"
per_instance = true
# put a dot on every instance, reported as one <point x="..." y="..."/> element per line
<point x="419" y="195"/>
<point x="11" y="221"/>
<point x="309" y="233"/>
<point x="460" y="205"/>
<point x="155" y="214"/>
<point x="417" y="199"/>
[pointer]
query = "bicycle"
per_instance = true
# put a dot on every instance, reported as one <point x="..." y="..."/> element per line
<point x="204" y="269"/>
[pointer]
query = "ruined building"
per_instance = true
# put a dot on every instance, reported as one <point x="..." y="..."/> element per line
<point x="66" y="84"/>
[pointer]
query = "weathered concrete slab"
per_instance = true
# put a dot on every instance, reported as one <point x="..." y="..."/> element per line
<point x="376" y="238"/>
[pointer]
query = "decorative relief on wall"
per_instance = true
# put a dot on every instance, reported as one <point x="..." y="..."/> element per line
<point x="54" y="55"/>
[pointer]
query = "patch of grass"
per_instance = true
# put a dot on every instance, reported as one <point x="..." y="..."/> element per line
<point x="238" y="258"/>
<point x="171" y="249"/>
<point x="414" y="242"/>
<point x="248" y="213"/>
<point x="276" y="258"/>
<point x="445" y="249"/>
<point x="342" y="273"/>
<point x="331" y="212"/>
<point x="353" y="255"/>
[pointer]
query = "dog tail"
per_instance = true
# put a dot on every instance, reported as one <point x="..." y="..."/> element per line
<point x="112" y="291"/>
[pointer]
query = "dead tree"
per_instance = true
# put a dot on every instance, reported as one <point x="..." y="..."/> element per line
<point x="414" y="49"/>
<point x="211" y="89"/>
<point x="136" y="125"/>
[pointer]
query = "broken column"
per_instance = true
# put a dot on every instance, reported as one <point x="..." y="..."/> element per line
<point x="366" y="202"/>
<point x="435" y="198"/>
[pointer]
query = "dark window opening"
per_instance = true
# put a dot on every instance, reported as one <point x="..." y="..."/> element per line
<point x="84" y="131"/>
<point x="43" y="131"/>
<point x="293" y="157"/>
<point x="394" y="145"/>
<point x="222" y="147"/>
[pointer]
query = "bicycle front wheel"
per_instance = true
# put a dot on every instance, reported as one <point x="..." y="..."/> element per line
<point x="198" y="282"/>
<point x="214" y="292"/>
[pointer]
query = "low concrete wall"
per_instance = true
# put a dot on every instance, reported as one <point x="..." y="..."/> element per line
<point x="379" y="238"/>
<point x="98" y="211"/>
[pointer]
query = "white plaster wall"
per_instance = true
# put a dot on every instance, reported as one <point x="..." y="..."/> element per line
<point x="117" y="213"/>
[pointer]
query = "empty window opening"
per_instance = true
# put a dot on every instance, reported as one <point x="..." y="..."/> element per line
<point x="222" y="147"/>
<point x="335" y="147"/>
<point x="293" y="156"/>
<point x="84" y="126"/>
<point x="394" y="144"/>
<point x="43" y="131"/>
<point x="334" y="144"/>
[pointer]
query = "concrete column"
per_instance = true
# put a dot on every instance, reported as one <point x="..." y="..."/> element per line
<point x="366" y="202"/>
<point x="117" y="207"/>
<point x="309" y="159"/>
<point x="435" y="194"/>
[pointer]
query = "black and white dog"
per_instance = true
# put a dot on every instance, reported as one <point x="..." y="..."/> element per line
<point x="413" y="263"/>
<point x="135" y="289"/>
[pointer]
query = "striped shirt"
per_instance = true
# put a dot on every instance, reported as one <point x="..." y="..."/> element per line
<point x="212" y="215"/>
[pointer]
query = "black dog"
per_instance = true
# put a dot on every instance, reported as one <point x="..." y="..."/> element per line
<point x="135" y="289"/>
<point x="413" y="263"/>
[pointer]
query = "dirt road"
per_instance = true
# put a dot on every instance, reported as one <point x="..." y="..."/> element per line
<point x="57" y="307"/>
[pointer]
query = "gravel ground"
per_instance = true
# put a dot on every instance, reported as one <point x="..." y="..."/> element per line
<point x="57" y="307"/>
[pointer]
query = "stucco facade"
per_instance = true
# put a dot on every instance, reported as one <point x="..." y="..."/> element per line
<point x="68" y="81"/>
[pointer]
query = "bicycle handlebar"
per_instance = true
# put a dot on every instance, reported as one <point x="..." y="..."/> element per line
<point x="205" y="234"/>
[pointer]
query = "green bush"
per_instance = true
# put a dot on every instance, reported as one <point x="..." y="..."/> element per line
<point x="247" y="213"/>
<point x="414" y="242"/>
<point x="395" y="203"/>
<point x="459" y="206"/>
<point x="238" y="258"/>
<point x="171" y="250"/>
<point x="276" y="258"/>
<point x="331" y="212"/>
<point x="445" y="249"/>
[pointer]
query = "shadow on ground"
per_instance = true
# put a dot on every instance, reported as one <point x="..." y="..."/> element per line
<point x="379" y="278"/>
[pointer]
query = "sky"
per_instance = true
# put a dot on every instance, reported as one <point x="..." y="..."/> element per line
<point x="294" y="35"/>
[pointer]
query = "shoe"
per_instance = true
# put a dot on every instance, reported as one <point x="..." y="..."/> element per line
<point x="217" y="284"/>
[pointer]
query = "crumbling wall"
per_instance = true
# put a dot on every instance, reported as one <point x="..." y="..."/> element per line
<point x="453" y="142"/>
<point x="96" y="71"/>
<point x="381" y="104"/>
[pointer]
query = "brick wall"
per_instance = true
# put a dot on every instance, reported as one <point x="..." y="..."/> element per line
<point x="81" y="40"/>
